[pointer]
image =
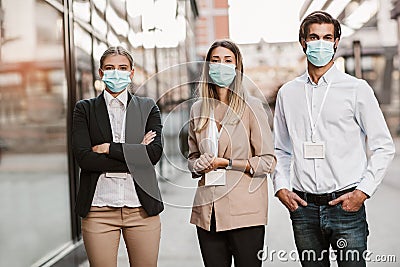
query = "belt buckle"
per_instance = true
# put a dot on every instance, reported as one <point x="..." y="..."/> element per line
<point x="322" y="200"/>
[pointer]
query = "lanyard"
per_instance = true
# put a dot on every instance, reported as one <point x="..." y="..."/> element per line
<point x="314" y="124"/>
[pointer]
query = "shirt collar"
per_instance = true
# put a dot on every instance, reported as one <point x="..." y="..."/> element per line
<point x="327" y="78"/>
<point x="122" y="97"/>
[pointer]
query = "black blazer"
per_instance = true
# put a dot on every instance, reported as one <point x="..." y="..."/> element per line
<point x="91" y="126"/>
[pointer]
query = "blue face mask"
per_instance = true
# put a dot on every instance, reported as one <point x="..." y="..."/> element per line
<point x="320" y="52"/>
<point x="222" y="74"/>
<point x="116" y="80"/>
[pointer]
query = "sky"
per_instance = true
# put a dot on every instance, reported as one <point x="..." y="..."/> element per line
<point x="249" y="21"/>
<point x="271" y="20"/>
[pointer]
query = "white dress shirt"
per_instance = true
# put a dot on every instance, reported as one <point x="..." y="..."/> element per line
<point x="349" y="115"/>
<point x="112" y="191"/>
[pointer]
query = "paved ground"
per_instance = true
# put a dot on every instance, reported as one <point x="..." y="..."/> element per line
<point x="179" y="247"/>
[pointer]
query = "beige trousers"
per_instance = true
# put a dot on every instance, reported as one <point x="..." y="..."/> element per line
<point x="101" y="231"/>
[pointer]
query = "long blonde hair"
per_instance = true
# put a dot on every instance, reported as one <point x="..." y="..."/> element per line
<point x="208" y="92"/>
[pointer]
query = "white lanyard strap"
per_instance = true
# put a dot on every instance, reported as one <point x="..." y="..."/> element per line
<point x="312" y="123"/>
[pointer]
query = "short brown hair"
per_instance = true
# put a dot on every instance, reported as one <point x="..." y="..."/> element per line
<point x="116" y="50"/>
<point x="319" y="17"/>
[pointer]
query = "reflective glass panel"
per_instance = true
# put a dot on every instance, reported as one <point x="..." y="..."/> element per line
<point x="83" y="59"/>
<point x="34" y="187"/>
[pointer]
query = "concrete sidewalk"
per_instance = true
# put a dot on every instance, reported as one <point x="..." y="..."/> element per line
<point x="179" y="246"/>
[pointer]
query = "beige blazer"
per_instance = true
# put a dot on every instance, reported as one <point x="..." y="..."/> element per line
<point x="243" y="201"/>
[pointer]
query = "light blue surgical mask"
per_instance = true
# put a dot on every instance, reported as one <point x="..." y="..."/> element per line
<point x="116" y="80"/>
<point x="222" y="74"/>
<point x="320" y="52"/>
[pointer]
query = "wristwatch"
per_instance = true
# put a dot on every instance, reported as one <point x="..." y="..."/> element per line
<point x="251" y="171"/>
<point x="229" y="167"/>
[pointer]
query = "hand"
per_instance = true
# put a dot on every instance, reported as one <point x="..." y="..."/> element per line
<point x="148" y="138"/>
<point x="351" y="201"/>
<point x="219" y="162"/>
<point x="204" y="163"/>
<point x="290" y="199"/>
<point x="102" y="149"/>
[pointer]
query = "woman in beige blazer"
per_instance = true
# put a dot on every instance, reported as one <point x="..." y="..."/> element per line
<point x="231" y="151"/>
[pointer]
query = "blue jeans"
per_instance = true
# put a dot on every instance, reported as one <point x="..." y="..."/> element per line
<point x="317" y="228"/>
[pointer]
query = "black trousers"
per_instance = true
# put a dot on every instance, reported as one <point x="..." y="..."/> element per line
<point x="243" y="244"/>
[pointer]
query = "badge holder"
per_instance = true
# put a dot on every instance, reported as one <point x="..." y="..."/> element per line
<point x="118" y="175"/>
<point x="215" y="177"/>
<point x="314" y="150"/>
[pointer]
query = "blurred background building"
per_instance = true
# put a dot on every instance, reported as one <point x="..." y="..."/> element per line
<point x="49" y="59"/>
<point x="212" y="24"/>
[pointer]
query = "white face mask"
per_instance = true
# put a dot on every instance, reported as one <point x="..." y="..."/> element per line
<point x="116" y="80"/>
<point x="320" y="52"/>
<point x="222" y="74"/>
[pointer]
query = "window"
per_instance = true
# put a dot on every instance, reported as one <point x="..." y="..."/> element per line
<point x="34" y="191"/>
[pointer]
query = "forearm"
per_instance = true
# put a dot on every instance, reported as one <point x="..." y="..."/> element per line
<point x="281" y="176"/>
<point x="116" y="152"/>
<point x="154" y="152"/>
<point x="82" y="146"/>
<point x="92" y="161"/>
<point x="155" y="148"/>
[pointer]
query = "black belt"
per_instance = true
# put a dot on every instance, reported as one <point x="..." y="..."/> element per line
<point x="321" y="199"/>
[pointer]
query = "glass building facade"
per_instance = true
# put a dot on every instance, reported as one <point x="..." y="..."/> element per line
<point x="49" y="54"/>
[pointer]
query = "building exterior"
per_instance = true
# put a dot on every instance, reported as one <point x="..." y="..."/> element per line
<point x="269" y="65"/>
<point x="49" y="59"/>
<point x="212" y="24"/>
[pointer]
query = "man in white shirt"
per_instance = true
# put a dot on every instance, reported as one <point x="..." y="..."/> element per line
<point x="322" y="120"/>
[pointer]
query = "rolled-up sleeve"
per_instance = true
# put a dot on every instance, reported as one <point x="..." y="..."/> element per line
<point x="263" y="161"/>
<point x="194" y="152"/>
<point x="283" y="148"/>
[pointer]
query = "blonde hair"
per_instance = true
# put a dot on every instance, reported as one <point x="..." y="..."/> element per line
<point x="208" y="92"/>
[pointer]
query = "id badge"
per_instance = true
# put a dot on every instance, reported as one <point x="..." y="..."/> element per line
<point x="314" y="150"/>
<point x="216" y="177"/>
<point x="118" y="175"/>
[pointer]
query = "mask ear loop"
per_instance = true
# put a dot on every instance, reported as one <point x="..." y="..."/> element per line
<point x="337" y="44"/>
<point x="305" y="45"/>
<point x="100" y="69"/>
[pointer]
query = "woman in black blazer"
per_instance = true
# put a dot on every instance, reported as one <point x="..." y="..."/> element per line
<point x="118" y="186"/>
